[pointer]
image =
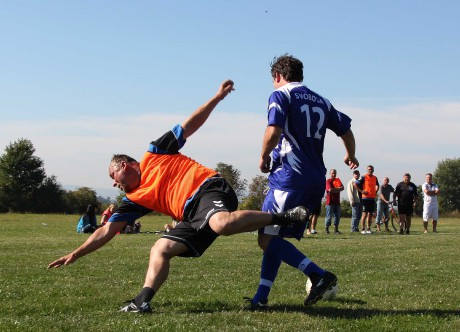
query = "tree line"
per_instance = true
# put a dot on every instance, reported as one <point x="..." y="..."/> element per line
<point x="25" y="187"/>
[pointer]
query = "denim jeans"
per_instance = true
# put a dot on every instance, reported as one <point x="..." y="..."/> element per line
<point x="356" y="212"/>
<point x="332" y="210"/>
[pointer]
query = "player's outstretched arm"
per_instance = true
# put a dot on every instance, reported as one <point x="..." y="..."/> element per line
<point x="349" y="141"/>
<point x="100" y="237"/>
<point x="199" y="117"/>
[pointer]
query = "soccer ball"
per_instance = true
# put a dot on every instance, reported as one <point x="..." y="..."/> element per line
<point x="328" y="295"/>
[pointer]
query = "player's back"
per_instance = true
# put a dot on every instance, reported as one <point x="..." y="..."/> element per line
<point x="304" y="116"/>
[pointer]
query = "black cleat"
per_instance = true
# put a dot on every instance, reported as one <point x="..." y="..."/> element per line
<point x="130" y="306"/>
<point x="256" y="306"/>
<point x="327" y="281"/>
<point x="296" y="215"/>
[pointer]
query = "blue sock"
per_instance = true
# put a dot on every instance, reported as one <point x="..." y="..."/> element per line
<point x="270" y="267"/>
<point x="289" y="254"/>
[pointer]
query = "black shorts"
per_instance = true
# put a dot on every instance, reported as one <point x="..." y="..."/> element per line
<point x="368" y="205"/>
<point x="316" y="210"/>
<point x="406" y="209"/>
<point x="214" y="195"/>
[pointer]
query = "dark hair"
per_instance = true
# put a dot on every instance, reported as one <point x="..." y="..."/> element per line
<point x="117" y="159"/>
<point x="91" y="210"/>
<point x="356" y="172"/>
<point x="288" y="67"/>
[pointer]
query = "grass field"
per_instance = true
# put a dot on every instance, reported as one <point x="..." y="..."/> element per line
<point x="387" y="282"/>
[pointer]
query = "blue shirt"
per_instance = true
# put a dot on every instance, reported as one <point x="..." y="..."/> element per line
<point x="304" y="117"/>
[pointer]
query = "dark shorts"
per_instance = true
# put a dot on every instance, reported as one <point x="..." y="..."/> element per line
<point x="316" y="210"/>
<point x="214" y="196"/>
<point x="406" y="209"/>
<point x="368" y="205"/>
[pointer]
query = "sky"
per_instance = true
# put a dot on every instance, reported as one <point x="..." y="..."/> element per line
<point x="83" y="80"/>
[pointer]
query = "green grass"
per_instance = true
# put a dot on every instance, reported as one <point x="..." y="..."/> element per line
<point x="387" y="282"/>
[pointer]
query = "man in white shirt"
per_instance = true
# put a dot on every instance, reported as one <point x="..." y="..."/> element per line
<point x="430" y="202"/>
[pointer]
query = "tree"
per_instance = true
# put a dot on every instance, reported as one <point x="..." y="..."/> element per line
<point x="21" y="173"/>
<point x="232" y="175"/>
<point x="78" y="200"/>
<point x="257" y="192"/>
<point x="49" y="197"/>
<point x="446" y="177"/>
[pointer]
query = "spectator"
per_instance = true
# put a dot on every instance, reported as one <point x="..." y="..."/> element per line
<point x="314" y="214"/>
<point x="405" y="197"/>
<point x="87" y="222"/>
<point x="383" y="209"/>
<point x="430" y="203"/>
<point x="354" y="197"/>
<point x="107" y="214"/>
<point x="367" y="185"/>
<point x="333" y="188"/>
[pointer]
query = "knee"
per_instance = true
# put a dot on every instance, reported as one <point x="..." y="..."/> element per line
<point x="223" y="223"/>
<point x="263" y="241"/>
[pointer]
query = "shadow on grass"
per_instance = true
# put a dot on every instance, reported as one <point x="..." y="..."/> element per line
<point x="320" y="311"/>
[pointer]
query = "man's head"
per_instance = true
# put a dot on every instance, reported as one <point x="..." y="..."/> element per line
<point x="386" y="181"/>
<point x="333" y="173"/>
<point x="370" y="169"/>
<point x="406" y="178"/>
<point x="287" y="66"/>
<point x="356" y="174"/>
<point x="429" y="178"/>
<point x="125" y="172"/>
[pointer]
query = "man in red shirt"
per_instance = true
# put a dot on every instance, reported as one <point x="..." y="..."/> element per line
<point x="333" y="188"/>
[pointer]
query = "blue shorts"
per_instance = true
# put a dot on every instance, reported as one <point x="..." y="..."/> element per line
<point x="280" y="201"/>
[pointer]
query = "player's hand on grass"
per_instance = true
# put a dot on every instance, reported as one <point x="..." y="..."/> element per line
<point x="64" y="260"/>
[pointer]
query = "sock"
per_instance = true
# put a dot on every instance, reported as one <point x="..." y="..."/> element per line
<point x="289" y="254"/>
<point x="270" y="267"/>
<point x="146" y="295"/>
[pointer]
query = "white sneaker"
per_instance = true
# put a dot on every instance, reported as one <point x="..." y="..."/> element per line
<point x="363" y="232"/>
<point x="368" y="231"/>
<point x="314" y="232"/>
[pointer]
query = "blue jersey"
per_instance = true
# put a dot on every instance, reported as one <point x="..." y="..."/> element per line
<point x="304" y="116"/>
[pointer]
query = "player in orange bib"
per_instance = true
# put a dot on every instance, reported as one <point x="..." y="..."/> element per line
<point x="171" y="183"/>
<point x="368" y="186"/>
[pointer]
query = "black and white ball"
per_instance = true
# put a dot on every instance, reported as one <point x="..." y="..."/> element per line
<point x="328" y="295"/>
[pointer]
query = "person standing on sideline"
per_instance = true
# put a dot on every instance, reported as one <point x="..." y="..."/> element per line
<point x="383" y="209"/>
<point x="368" y="185"/>
<point x="430" y="202"/>
<point x="169" y="182"/>
<point x="354" y="197"/>
<point x="405" y="196"/>
<point x="292" y="152"/>
<point x="314" y="220"/>
<point x="333" y="188"/>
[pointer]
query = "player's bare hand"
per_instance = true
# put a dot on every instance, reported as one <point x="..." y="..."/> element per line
<point x="264" y="164"/>
<point x="225" y="88"/>
<point x="352" y="162"/>
<point x="64" y="260"/>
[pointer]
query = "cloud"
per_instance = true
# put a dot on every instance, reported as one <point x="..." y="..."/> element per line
<point x="406" y="138"/>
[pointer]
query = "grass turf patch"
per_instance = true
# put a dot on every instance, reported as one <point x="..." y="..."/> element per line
<point x="387" y="282"/>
